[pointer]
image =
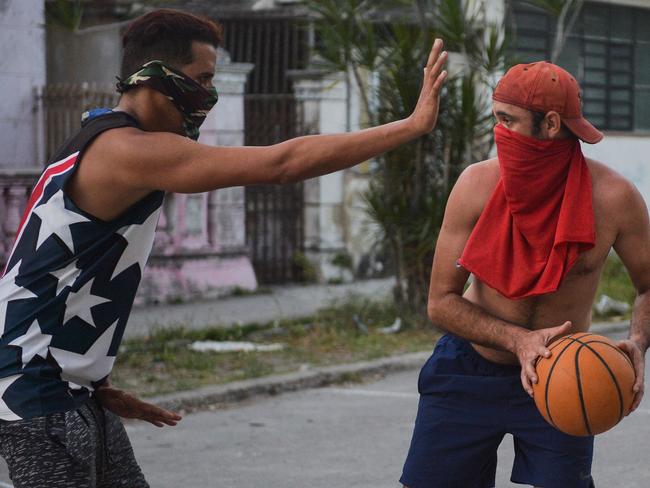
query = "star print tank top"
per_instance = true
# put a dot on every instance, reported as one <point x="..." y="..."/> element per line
<point x="68" y="287"/>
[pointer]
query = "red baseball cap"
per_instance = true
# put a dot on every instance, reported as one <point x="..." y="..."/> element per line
<point x="545" y="87"/>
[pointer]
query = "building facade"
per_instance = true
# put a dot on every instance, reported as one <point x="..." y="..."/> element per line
<point x="270" y="91"/>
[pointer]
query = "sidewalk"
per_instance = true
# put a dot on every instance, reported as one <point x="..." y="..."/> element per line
<point x="284" y="302"/>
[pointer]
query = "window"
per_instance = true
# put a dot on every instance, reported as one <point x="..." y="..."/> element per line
<point x="608" y="51"/>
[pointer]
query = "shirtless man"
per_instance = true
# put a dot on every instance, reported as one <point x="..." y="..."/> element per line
<point x="69" y="284"/>
<point x="476" y="387"/>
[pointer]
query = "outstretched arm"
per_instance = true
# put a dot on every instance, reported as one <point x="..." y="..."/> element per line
<point x="449" y="310"/>
<point x="633" y="247"/>
<point x="164" y="161"/>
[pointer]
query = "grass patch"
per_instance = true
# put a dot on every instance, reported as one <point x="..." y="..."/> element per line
<point x="163" y="362"/>
<point x="615" y="282"/>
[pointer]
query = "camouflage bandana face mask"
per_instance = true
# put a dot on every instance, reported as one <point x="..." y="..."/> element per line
<point x="191" y="99"/>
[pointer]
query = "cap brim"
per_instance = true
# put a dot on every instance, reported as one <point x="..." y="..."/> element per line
<point x="583" y="130"/>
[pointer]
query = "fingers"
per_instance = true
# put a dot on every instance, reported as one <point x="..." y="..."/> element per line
<point x="560" y="330"/>
<point x="435" y="53"/>
<point x="638" y="361"/>
<point x="544" y="352"/>
<point x="528" y="376"/>
<point x="437" y="59"/>
<point x="433" y="73"/>
<point x="437" y="86"/>
<point x="158" y="416"/>
<point x="159" y="421"/>
<point x="525" y="382"/>
<point x="637" y="400"/>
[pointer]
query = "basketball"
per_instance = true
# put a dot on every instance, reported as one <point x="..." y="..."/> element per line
<point x="585" y="386"/>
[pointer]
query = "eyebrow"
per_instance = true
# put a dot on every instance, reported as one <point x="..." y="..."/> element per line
<point x="501" y="113"/>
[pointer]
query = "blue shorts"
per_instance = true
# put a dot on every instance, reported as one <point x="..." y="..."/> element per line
<point x="467" y="405"/>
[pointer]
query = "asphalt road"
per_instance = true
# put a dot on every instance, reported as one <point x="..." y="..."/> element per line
<point x="354" y="436"/>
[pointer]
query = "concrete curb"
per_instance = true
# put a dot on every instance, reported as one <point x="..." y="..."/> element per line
<point x="604" y="328"/>
<point x="230" y="393"/>
<point x="239" y="391"/>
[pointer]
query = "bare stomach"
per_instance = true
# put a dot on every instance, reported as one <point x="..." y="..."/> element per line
<point x="571" y="302"/>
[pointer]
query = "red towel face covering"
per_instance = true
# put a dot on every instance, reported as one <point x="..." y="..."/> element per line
<point x="538" y="220"/>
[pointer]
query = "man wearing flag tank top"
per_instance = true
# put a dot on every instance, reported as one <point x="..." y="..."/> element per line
<point x="67" y="291"/>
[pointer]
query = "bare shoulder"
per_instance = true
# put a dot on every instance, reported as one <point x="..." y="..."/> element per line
<point x="473" y="188"/>
<point x="479" y="179"/>
<point x="114" y="145"/>
<point x="124" y="141"/>
<point x="124" y="154"/>
<point x="612" y="190"/>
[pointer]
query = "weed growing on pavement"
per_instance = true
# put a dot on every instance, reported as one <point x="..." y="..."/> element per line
<point x="345" y="331"/>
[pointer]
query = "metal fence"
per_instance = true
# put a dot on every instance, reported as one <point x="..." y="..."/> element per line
<point x="274" y="215"/>
<point x="60" y="107"/>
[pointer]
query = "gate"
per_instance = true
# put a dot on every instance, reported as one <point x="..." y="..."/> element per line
<point x="60" y="106"/>
<point x="274" y="214"/>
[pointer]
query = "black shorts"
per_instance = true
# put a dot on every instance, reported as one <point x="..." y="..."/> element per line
<point x="467" y="405"/>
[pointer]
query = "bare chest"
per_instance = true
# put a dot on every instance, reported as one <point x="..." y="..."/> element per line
<point x="572" y="301"/>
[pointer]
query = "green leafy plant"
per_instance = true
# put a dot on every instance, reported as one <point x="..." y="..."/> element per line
<point x="304" y="269"/>
<point x="385" y="45"/>
<point x="65" y="14"/>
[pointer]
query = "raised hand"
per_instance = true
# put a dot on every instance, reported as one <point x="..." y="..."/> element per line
<point x="425" y="114"/>
<point x="130" y="407"/>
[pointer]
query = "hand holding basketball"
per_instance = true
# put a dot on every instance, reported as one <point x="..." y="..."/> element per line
<point x="637" y="356"/>
<point x="586" y="386"/>
<point x="531" y="345"/>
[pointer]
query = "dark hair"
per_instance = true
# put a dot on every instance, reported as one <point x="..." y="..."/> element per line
<point x="167" y="35"/>
<point x="538" y="118"/>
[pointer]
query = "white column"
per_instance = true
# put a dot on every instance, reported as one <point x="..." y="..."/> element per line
<point x="225" y="127"/>
<point x="204" y="253"/>
<point x="22" y="67"/>
<point x="323" y="100"/>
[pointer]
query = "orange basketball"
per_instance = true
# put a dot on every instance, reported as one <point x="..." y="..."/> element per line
<point x="585" y="387"/>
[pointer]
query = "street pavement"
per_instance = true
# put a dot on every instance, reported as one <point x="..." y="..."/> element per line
<point x="353" y="436"/>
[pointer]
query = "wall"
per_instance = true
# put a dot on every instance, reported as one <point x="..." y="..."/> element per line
<point x="93" y="54"/>
<point x="22" y="66"/>
<point x="627" y="154"/>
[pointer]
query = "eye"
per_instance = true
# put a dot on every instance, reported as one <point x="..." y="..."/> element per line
<point x="205" y="81"/>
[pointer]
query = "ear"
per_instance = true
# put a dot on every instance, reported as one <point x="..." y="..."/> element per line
<point x="553" y="124"/>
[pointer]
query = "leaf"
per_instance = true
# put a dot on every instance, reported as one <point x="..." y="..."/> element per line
<point x="66" y="14"/>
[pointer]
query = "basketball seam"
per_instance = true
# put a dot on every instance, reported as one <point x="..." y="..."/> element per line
<point x="612" y="375"/>
<point x="578" y="340"/>
<point x="548" y="381"/>
<point x="613" y="347"/>
<point x="580" y="394"/>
